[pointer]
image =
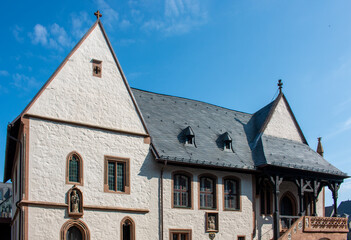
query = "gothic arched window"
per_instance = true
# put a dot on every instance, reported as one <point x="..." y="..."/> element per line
<point x="74" y="169"/>
<point x="127" y="229"/>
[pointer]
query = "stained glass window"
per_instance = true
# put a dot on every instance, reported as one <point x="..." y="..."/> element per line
<point x="74" y="165"/>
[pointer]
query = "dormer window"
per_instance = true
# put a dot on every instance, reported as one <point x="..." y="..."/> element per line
<point x="189" y="136"/>
<point x="227" y="141"/>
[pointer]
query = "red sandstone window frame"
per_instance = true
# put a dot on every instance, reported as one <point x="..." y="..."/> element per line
<point x="237" y="194"/>
<point x="214" y="191"/>
<point x="189" y="190"/>
<point x="178" y="232"/>
<point x="132" y="228"/>
<point x="80" y="170"/>
<point x="126" y="174"/>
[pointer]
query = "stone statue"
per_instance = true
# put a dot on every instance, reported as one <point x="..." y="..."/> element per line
<point x="74" y="202"/>
<point x="211" y="223"/>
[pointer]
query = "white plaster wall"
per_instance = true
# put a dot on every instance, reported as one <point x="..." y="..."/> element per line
<point x="282" y="124"/>
<point x="231" y="223"/>
<point x="50" y="143"/>
<point x="76" y="95"/>
<point x="102" y="225"/>
<point x="320" y="204"/>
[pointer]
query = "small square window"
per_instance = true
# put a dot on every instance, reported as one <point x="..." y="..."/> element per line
<point x="97" y="68"/>
<point x="241" y="237"/>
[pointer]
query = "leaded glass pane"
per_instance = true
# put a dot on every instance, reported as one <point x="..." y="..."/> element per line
<point x="74" y="169"/>
<point x="111" y="176"/>
<point x="120" y="177"/>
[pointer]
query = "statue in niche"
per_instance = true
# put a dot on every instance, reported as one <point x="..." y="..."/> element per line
<point x="74" y="202"/>
<point x="211" y="223"/>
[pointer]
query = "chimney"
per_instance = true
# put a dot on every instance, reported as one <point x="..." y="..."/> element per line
<point x="320" y="150"/>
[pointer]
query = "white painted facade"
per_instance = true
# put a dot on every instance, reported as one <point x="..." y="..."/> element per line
<point x="74" y="95"/>
<point x="282" y="123"/>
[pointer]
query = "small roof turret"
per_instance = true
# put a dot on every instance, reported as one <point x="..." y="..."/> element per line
<point x="320" y="149"/>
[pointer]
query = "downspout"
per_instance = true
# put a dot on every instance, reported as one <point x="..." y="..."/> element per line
<point x="20" y="187"/>
<point x="161" y="198"/>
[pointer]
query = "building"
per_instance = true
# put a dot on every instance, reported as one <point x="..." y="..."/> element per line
<point x="94" y="159"/>
<point x="5" y="210"/>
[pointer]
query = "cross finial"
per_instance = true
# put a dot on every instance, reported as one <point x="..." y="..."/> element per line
<point x="280" y="85"/>
<point x="98" y="14"/>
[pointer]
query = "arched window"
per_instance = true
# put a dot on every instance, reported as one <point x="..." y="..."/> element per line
<point x="231" y="191"/>
<point x="208" y="184"/>
<point x="74" y="229"/>
<point x="127" y="229"/>
<point x="182" y="190"/>
<point x="74" y="169"/>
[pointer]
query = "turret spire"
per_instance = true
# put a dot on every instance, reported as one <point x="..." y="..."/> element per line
<point x="320" y="150"/>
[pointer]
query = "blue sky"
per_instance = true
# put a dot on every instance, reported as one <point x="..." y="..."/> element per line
<point x="230" y="53"/>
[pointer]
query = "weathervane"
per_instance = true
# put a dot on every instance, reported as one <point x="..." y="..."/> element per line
<point x="280" y="85"/>
<point x="98" y="14"/>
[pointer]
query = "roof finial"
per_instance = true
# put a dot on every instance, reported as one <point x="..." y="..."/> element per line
<point x="320" y="149"/>
<point x="98" y="14"/>
<point x="280" y="85"/>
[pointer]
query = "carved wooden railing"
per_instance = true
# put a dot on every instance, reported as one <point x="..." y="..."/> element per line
<point x="325" y="224"/>
<point x="317" y="225"/>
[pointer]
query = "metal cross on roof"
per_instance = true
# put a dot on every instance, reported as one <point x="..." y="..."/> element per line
<point x="280" y="85"/>
<point x="98" y="14"/>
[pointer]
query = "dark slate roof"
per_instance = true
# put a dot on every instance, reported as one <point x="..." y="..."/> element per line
<point x="168" y="117"/>
<point x="292" y="154"/>
<point x="329" y="211"/>
<point x="345" y="207"/>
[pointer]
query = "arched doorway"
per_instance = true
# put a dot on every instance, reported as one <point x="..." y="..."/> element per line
<point x="74" y="229"/>
<point x="74" y="233"/>
<point x="287" y="209"/>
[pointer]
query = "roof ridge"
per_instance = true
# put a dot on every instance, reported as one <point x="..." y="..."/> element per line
<point x="184" y="98"/>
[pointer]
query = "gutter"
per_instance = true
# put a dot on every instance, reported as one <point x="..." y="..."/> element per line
<point x="161" y="200"/>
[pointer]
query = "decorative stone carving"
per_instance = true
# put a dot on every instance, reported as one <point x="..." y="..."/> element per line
<point x="211" y="222"/>
<point x="326" y="224"/>
<point x="299" y="225"/>
<point x="75" y="202"/>
<point x="211" y="235"/>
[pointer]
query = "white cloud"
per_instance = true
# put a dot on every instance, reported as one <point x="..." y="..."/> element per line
<point x="24" y="82"/>
<point x="124" y="24"/>
<point x="4" y="73"/>
<point x="16" y="31"/>
<point x="80" y="24"/>
<point x="179" y="17"/>
<point x="39" y="35"/>
<point x="108" y="13"/>
<point x="53" y="37"/>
